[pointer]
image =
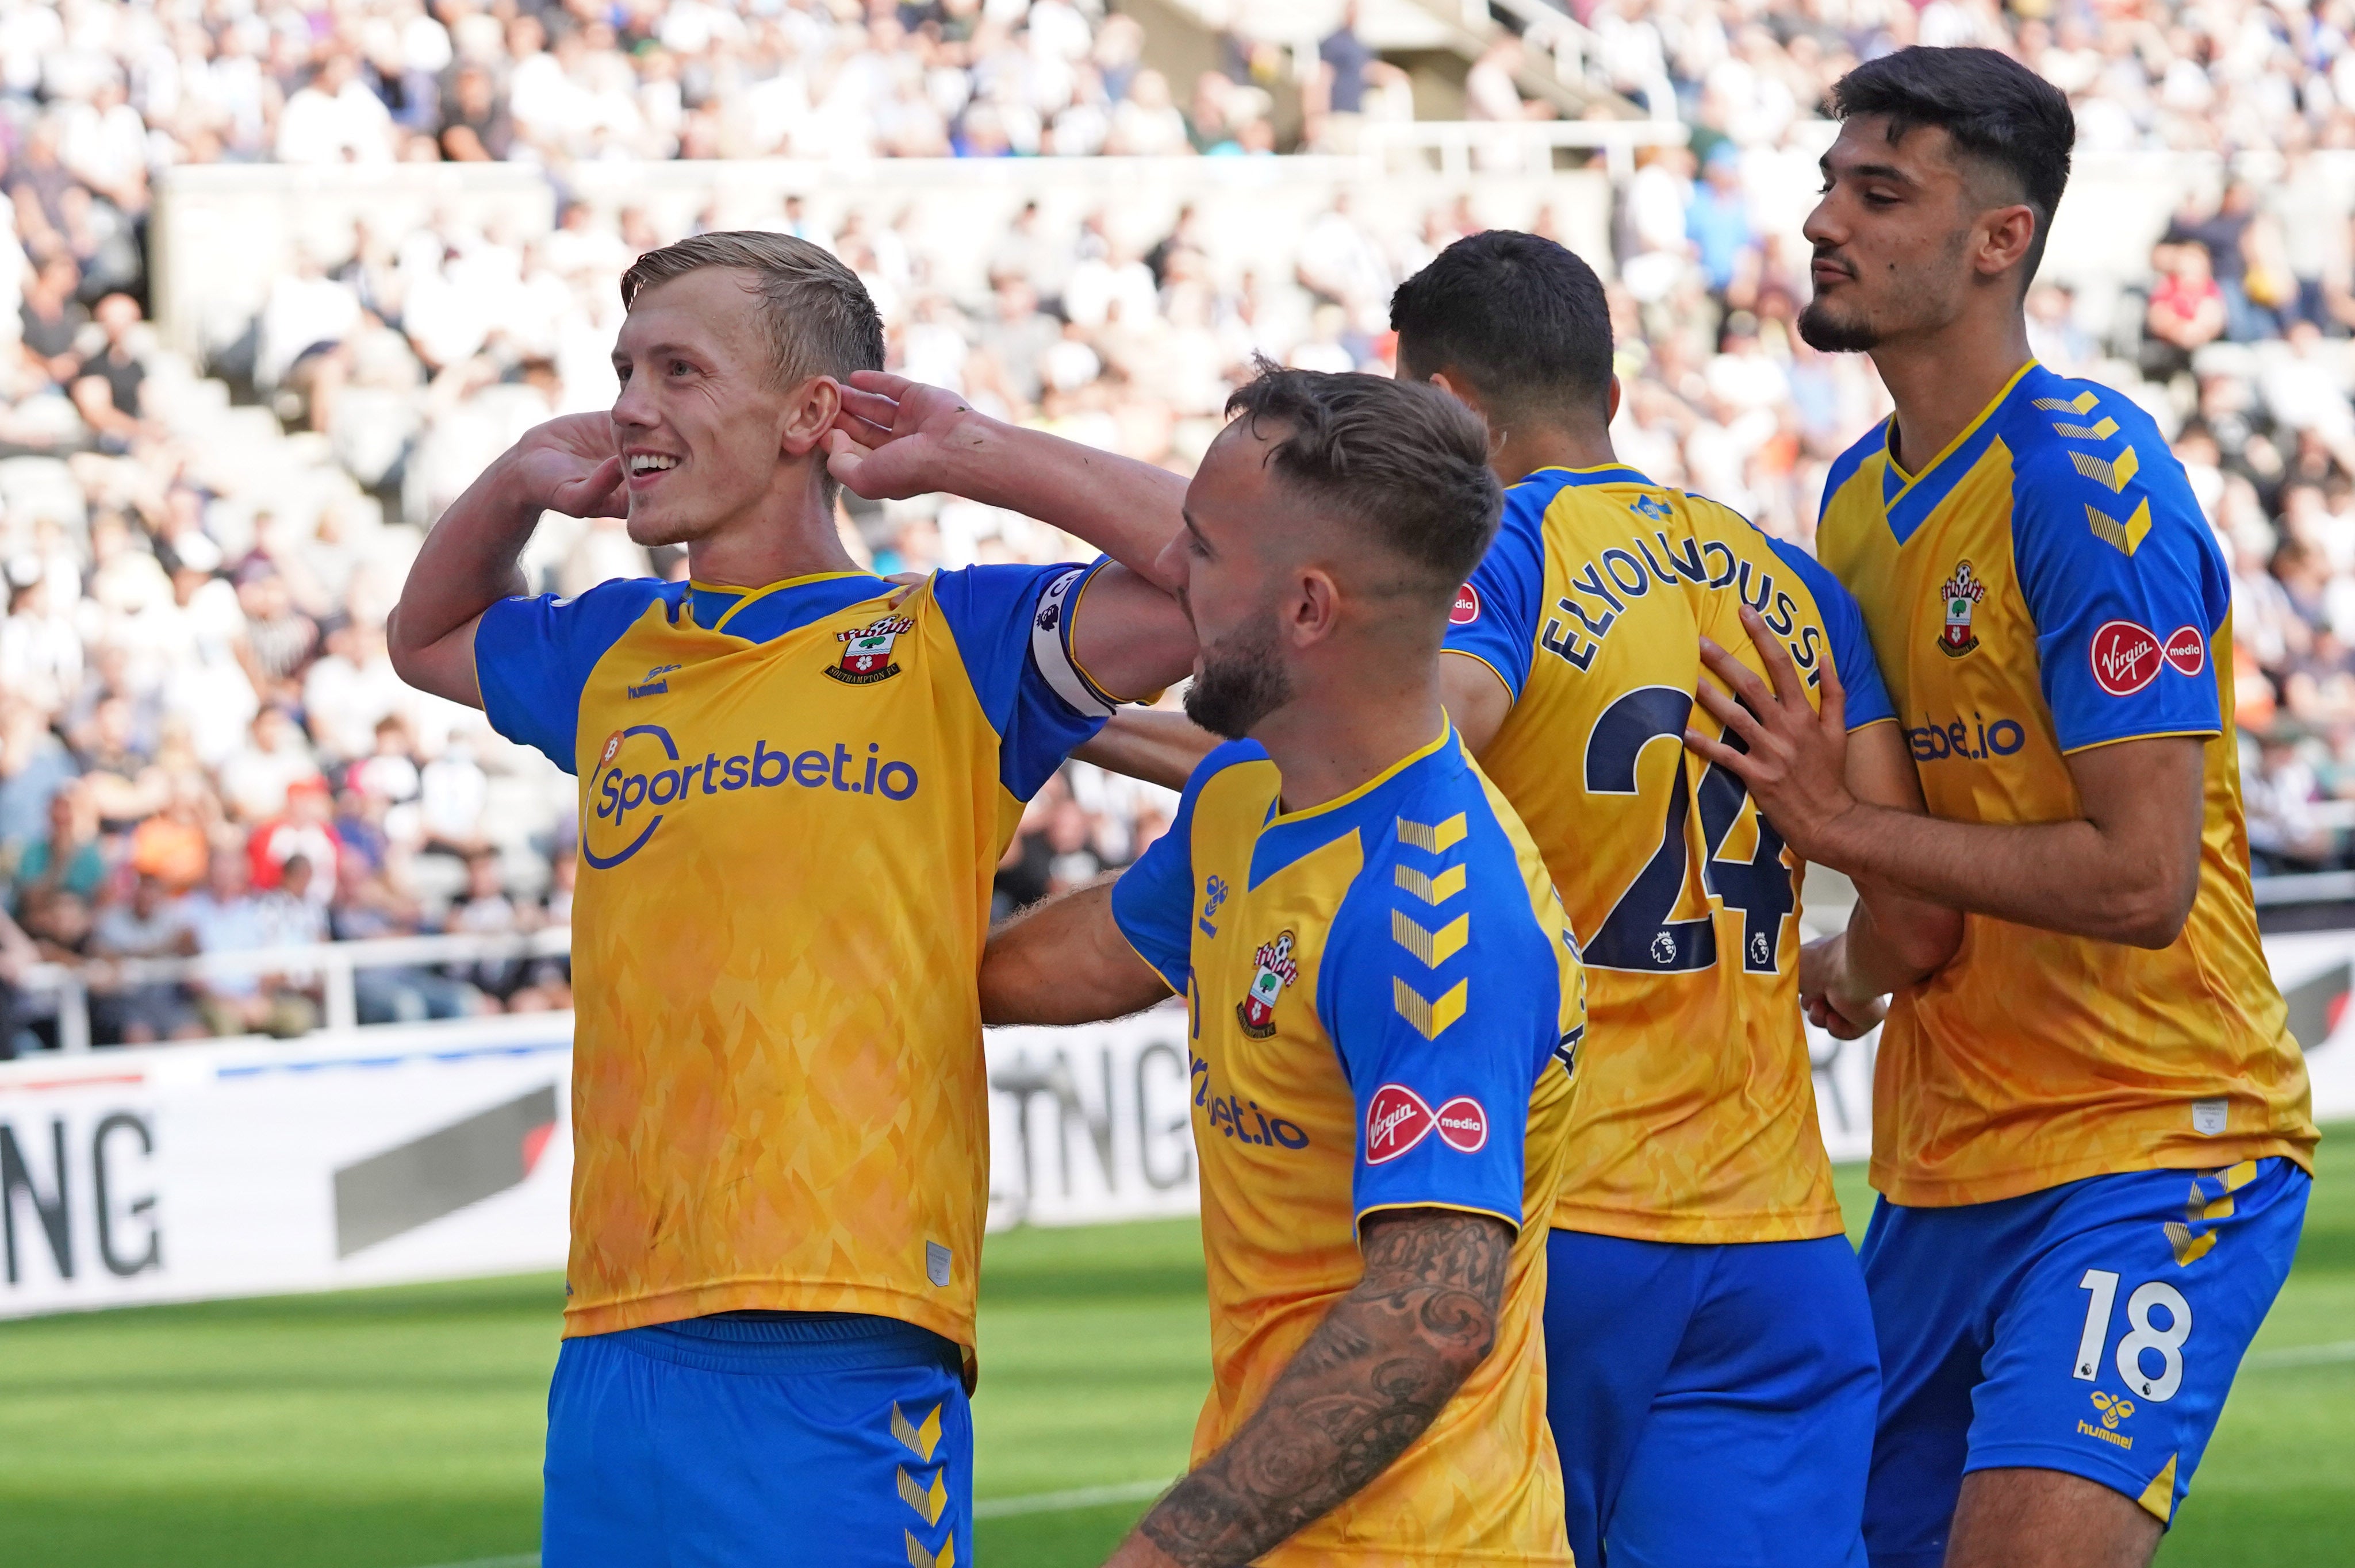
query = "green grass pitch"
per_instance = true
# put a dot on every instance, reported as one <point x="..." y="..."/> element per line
<point x="401" y="1428"/>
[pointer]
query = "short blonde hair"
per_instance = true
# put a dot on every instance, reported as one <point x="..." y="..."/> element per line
<point x="820" y="318"/>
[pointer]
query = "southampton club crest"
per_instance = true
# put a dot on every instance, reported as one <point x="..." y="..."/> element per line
<point x="866" y="652"/>
<point x="1962" y="592"/>
<point x="1257" y="1009"/>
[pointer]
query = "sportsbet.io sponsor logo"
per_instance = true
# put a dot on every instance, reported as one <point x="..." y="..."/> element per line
<point x="641" y="770"/>
<point x="1974" y="741"/>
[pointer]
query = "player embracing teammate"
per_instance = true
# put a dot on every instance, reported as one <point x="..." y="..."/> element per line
<point x="2091" y="1129"/>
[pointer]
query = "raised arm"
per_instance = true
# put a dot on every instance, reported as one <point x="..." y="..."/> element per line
<point x="897" y="438"/>
<point x="1371" y="1378"/>
<point x="468" y="562"/>
<point x="1063" y="960"/>
<point x="2126" y="871"/>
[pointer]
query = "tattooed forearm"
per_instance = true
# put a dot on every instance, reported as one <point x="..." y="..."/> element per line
<point x="1370" y="1379"/>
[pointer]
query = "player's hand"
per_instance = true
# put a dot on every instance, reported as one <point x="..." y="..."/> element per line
<point x="1829" y="1001"/>
<point x="895" y="438"/>
<point x="1793" y="756"/>
<point x="568" y="465"/>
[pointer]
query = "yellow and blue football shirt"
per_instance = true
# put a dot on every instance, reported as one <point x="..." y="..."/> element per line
<point x="1384" y="1002"/>
<point x="1695" y="1113"/>
<point x="791" y="802"/>
<point x="2047" y="585"/>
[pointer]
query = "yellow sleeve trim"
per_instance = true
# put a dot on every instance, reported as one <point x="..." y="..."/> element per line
<point x="1071" y="640"/>
<point x="1477" y="659"/>
<point x="1860" y="728"/>
<point x="2153" y="735"/>
<point x="1367" y="1212"/>
<point x="1148" y="963"/>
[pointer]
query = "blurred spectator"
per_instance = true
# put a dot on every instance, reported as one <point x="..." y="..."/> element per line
<point x="1718" y="220"/>
<point x="146" y="924"/>
<point x="226" y="917"/>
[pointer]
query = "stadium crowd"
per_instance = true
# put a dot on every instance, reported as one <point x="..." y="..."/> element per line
<point x="203" y="747"/>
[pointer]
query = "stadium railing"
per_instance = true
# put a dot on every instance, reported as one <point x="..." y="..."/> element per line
<point x="330" y="966"/>
<point x="1459" y="147"/>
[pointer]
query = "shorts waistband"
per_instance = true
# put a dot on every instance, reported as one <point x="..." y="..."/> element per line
<point x="787" y="1342"/>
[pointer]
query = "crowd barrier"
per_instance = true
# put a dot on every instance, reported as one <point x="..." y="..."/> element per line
<point x="418" y="1152"/>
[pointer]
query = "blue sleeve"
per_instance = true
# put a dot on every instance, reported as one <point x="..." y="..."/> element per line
<point x="1496" y="615"/>
<point x="1851" y="645"/>
<point x="1443" y="1015"/>
<point x="2125" y="582"/>
<point x="533" y="656"/>
<point x="1153" y="902"/>
<point x="1015" y="636"/>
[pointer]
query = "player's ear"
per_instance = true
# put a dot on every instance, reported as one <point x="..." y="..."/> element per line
<point x="1610" y="403"/>
<point x="2006" y="236"/>
<point x="1313" y="607"/>
<point x="1456" y="386"/>
<point x="810" y="411"/>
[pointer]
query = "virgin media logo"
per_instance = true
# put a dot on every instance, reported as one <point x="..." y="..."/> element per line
<point x="1398" y="1119"/>
<point x="2126" y="657"/>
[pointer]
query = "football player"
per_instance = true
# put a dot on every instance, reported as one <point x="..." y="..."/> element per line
<point x="795" y="781"/>
<point x="2091" y="1129"/>
<point x="1383" y="1003"/>
<point x="1705" y="1313"/>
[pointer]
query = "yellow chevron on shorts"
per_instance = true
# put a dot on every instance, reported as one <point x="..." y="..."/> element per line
<point x="1430" y="1019"/>
<point x="926" y="1503"/>
<point x="2157" y="1499"/>
<point x="1432" y="889"/>
<point x="2201" y="1209"/>
<point x="920" y="1558"/>
<point x="2126" y="535"/>
<point x="1433" y="840"/>
<point x="918" y="1440"/>
<point x="2188" y="1248"/>
<point x="2101" y="432"/>
<point x="2081" y="403"/>
<point x="2113" y="474"/>
<point x="1434" y="947"/>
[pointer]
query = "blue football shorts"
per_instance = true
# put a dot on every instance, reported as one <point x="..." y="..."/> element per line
<point x="804" y="1440"/>
<point x="1714" y="1405"/>
<point x="2093" y="1328"/>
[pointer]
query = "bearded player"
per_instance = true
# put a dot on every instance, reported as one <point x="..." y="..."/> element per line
<point x="793" y="789"/>
<point x="1383" y="999"/>
<point x="2091" y="1129"/>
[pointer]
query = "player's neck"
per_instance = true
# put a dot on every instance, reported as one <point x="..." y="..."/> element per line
<point x="1338" y="736"/>
<point x="772" y="546"/>
<point x="1521" y="452"/>
<point x="1943" y="380"/>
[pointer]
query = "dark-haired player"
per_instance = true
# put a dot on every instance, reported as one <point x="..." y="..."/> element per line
<point x="1704" y="1311"/>
<point x="2091" y="1129"/>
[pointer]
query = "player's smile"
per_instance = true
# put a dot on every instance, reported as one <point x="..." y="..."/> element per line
<point x="647" y="468"/>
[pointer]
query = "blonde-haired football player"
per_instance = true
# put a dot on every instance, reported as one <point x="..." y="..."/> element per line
<point x="795" y="787"/>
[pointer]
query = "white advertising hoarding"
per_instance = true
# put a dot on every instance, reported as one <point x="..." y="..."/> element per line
<point x="175" y="1173"/>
